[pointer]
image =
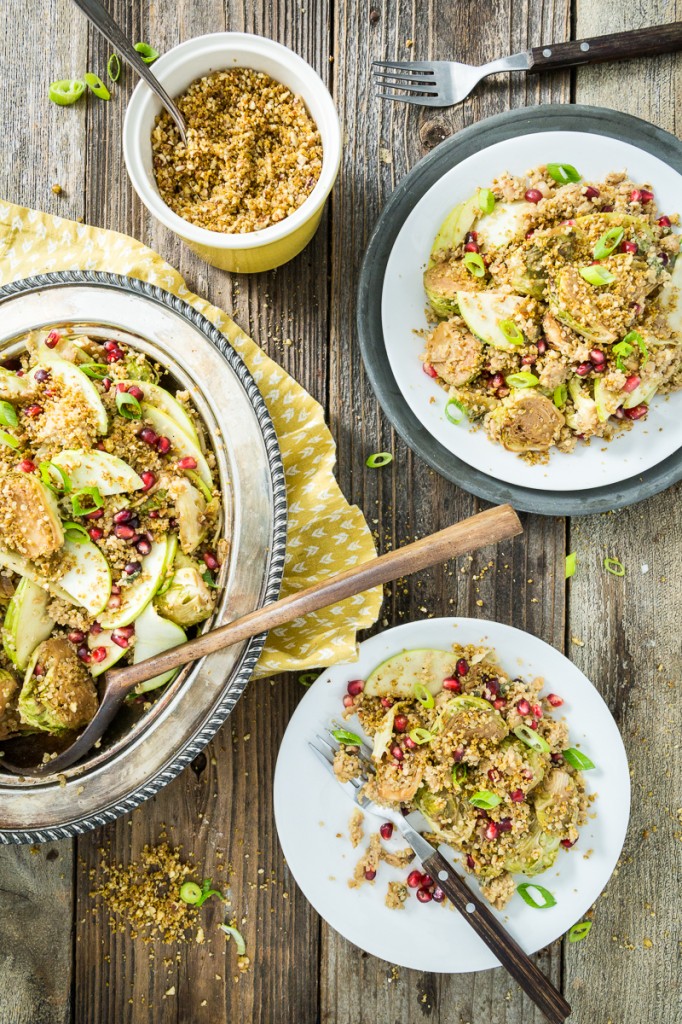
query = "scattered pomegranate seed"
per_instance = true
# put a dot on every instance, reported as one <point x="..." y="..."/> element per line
<point x="211" y="561"/>
<point x="106" y="384"/>
<point x="26" y="466"/>
<point x="96" y="532"/>
<point x="144" y="546"/>
<point x="663" y="257"/>
<point x="53" y="338"/>
<point x="452" y="684"/>
<point x="119" y="639"/>
<point x="429" y="370"/>
<point x="462" y="667"/>
<point x="536" y="711"/>
<point x="96" y="513"/>
<point x="136" y="392"/>
<point x="499" y="703"/>
<point x="608" y="208"/>
<point x="497" y="380"/>
<point x="567" y="843"/>
<point x="348" y="701"/>
<point x="124" y="532"/>
<point x="355" y="686"/>
<point x="148" y="436"/>
<point x="517" y="795"/>
<point x="472" y="236"/>
<point x="95" y="629"/>
<point x="414" y="879"/>
<point x="38" y="670"/>
<point x="493" y="686"/>
<point x="20" y="373"/>
<point x="114" y="601"/>
<point x="527" y="360"/>
<point x="591" y="192"/>
<point x="557" y="758"/>
<point x="502" y="392"/>
<point x="637" y="412"/>
<point x="424" y="896"/>
<point x="555" y="700"/>
<point x="582" y="369"/>
<point x="523" y="707"/>
<point x="458" y="754"/>
<point x="491" y="831"/>
<point x="122" y="388"/>
<point x="33" y="410"/>
<point x="645" y="195"/>
<point x="386" y="702"/>
<point x="437" y="895"/>
<point x="504" y="825"/>
<point x="529" y="234"/>
<point x="114" y="357"/>
<point x="154" y="514"/>
<point x="386" y="830"/>
<point x="471" y="247"/>
<point x="493" y="774"/>
<point x="400" y="723"/>
<point x="132" y="568"/>
<point x="76" y="636"/>
<point x="627" y="246"/>
<point x="597" y="356"/>
<point x="533" y="195"/>
<point x="568" y="223"/>
<point x="163" y="445"/>
<point x="187" y="463"/>
<point x="110" y="346"/>
<point x="635" y="196"/>
<point x="541" y="347"/>
<point x="98" y="654"/>
<point x="123" y="515"/>
<point x="527" y="773"/>
<point x="370" y="874"/>
<point x="41" y="375"/>
<point x="664" y="222"/>
<point x="427" y="881"/>
<point x="84" y="655"/>
<point x="148" y="479"/>
<point x="397" y="752"/>
<point x="409" y="743"/>
<point x="471" y="863"/>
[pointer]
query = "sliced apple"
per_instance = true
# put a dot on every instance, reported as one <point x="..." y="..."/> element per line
<point x="182" y="443"/>
<point x="163" y="400"/>
<point x="13" y="388"/>
<point x="482" y="313"/>
<point x="154" y="634"/>
<point x="136" y="596"/>
<point x="109" y="474"/>
<point x="670" y="300"/>
<point x="454" y="228"/>
<point x="75" y="380"/>
<point x="88" y="581"/>
<point x="27" y="623"/>
<point x="397" y="676"/>
<point x="20" y="565"/>
<point x="507" y="223"/>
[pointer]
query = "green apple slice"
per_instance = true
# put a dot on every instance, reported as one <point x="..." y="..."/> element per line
<point x="507" y="223"/>
<point x="136" y="596"/>
<point x="454" y="228"/>
<point x="163" y="400"/>
<point x="482" y="313"/>
<point x="88" y="581"/>
<point x="182" y="443"/>
<point x="75" y="380"/>
<point x="20" y="565"/>
<point x="396" y="677"/>
<point x="27" y="623"/>
<point x="109" y="474"/>
<point x="114" y="652"/>
<point x="642" y="395"/>
<point x="154" y="635"/>
<point x="670" y="300"/>
<point x="13" y="388"/>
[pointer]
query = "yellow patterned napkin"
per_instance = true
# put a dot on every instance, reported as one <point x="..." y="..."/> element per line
<point x="326" y="534"/>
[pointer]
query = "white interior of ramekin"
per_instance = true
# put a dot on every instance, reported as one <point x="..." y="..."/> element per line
<point x="181" y="66"/>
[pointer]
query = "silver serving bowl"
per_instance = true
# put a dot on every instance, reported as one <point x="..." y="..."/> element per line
<point x="144" y="750"/>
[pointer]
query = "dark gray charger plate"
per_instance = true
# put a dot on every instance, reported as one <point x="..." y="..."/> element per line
<point x="527" y="120"/>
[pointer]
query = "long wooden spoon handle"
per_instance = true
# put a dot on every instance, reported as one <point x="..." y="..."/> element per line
<point x="488" y="527"/>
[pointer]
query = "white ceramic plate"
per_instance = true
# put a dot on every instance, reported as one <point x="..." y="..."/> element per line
<point x="403" y="303"/>
<point x="312" y="812"/>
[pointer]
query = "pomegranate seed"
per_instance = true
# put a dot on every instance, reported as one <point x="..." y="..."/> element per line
<point x="557" y="758"/>
<point x="597" y="356"/>
<point x="429" y="370"/>
<point x="348" y="701"/>
<point x="471" y="247"/>
<point x="114" y="357"/>
<point x="493" y="774"/>
<point x="26" y="466"/>
<point x="144" y="546"/>
<point x="607" y="209"/>
<point x="527" y="360"/>
<point x="187" y="463"/>
<point x="504" y="825"/>
<point x="106" y="384"/>
<point x="211" y="561"/>
<point x="124" y="532"/>
<point x="400" y="723"/>
<point x="582" y="369"/>
<point x="42" y="375"/>
<point x="632" y="383"/>
<point x="123" y="515"/>
<point x="664" y="222"/>
<point x="95" y="629"/>
<point x="132" y="568"/>
<point x="527" y="773"/>
<point x="386" y="830"/>
<point x="472" y="236"/>
<point x="409" y="743"/>
<point x="110" y="346"/>
<point x="114" y="601"/>
<point x="567" y="843"/>
<point x="491" y="830"/>
<point x="637" y="412"/>
<point x="646" y="196"/>
<point x="599" y="368"/>
<point x="635" y="196"/>
<point x="20" y="373"/>
<point x="154" y="514"/>
<point x="536" y="711"/>
<point x="517" y="796"/>
<point x="397" y="752"/>
<point x="148" y="436"/>
<point x="502" y="392"/>
<point x="529" y="234"/>
<point x="98" y="654"/>
<point x="591" y="192"/>
<point x="122" y="388"/>
<point x="541" y="347"/>
<point x="555" y="700"/>
<point x="414" y="879"/>
<point x="663" y="257"/>
<point x="100" y="446"/>
<point x="462" y="667"/>
<point x="424" y="896"/>
<point x="33" y="410"/>
<point x="148" y="479"/>
<point x="437" y="895"/>
<point x="499" y="703"/>
<point x="497" y="380"/>
<point x="386" y="702"/>
<point x="493" y="686"/>
<point x="627" y="246"/>
<point x="76" y="636"/>
<point x="84" y="655"/>
<point x="39" y="670"/>
<point x="119" y="638"/>
<point x="471" y="863"/>
<point x="568" y="223"/>
<point x="458" y="754"/>
<point x="370" y="874"/>
<point x="136" y="392"/>
<point x="126" y="631"/>
<point x="533" y="195"/>
<point x="427" y="881"/>
<point x="355" y="687"/>
<point x="163" y="445"/>
<point x="53" y="338"/>
<point x="96" y="513"/>
<point x="523" y="707"/>
<point x="452" y="684"/>
<point x="533" y="724"/>
<point x="96" y="532"/>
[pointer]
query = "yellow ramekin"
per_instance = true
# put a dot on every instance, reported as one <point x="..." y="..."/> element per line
<point x="176" y="70"/>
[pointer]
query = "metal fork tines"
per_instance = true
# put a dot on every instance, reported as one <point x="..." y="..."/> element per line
<point x="437" y="83"/>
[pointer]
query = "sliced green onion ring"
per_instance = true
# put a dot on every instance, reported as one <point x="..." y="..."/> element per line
<point x="609" y="241"/>
<point x="96" y="86"/>
<point x="560" y="396"/>
<point x="350" y="738"/>
<point x="114" y="67"/>
<point x="511" y="331"/>
<point x="524" y="891"/>
<point x="579" y="931"/>
<point x="484" y="799"/>
<point x="9" y="440"/>
<point x="486" y="200"/>
<point x="166" y="584"/>
<point x="563" y="173"/>
<point x="8" y="414"/>
<point x="128" y="406"/>
<point x="422" y="695"/>
<point x="79" y="509"/>
<point x="66" y="91"/>
<point x="420" y="736"/>
<point x="473" y="261"/>
<point x="98" y="371"/>
<point x="622" y="351"/>
<point x="523" y="379"/>
<point x="76" y="533"/>
<point x="459" y="775"/>
<point x="237" y="936"/>
<point x="379" y="459"/>
<point x="199" y="483"/>
<point x="531" y="738"/>
<point x="455" y="411"/>
<point x="615" y="567"/>
<point x="307" y="678"/>
<point x="597" y="276"/>
<point x="571" y="563"/>
<point x="190" y="893"/>
<point x="635" y="338"/>
<point x="47" y="475"/>
<point x="147" y="52"/>
<point x="578" y="760"/>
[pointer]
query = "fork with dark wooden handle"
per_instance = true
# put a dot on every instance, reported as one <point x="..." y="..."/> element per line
<point x="470" y="905"/>
<point x="442" y="83"/>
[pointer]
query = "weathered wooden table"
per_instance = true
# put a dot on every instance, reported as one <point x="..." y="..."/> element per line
<point x="60" y="964"/>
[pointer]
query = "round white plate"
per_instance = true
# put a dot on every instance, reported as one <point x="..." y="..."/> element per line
<point x="403" y="301"/>
<point x="312" y="811"/>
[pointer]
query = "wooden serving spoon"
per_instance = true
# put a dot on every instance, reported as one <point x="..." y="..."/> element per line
<point x="488" y="527"/>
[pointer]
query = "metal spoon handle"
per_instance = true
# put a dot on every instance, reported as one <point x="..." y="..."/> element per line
<point x="105" y="24"/>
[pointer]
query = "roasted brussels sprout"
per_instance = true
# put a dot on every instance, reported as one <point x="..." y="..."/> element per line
<point x="455" y="354"/>
<point x="535" y="852"/>
<point x="443" y="280"/>
<point x="188" y="600"/>
<point x="525" y="421"/>
<point x="556" y="804"/>
<point x="58" y="692"/>
<point x="447" y="814"/>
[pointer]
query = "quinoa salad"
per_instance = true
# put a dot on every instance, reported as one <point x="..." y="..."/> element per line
<point x="479" y="754"/>
<point x="110" y="525"/>
<point x="555" y="308"/>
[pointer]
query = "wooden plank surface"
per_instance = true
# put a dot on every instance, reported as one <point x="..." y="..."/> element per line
<point x="221" y="810"/>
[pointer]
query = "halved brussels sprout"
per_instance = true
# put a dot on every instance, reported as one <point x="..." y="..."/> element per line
<point x="525" y="421"/>
<point x="443" y="280"/>
<point x="448" y="815"/>
<point x="534" y="852"/>
<point x="63" y="696"/>
<point x="188" y="600"/>
<point x="138" y="367"/>
<point x="556" y="803"/>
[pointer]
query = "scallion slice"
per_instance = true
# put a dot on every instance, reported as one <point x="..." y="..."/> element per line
<point x="79" y="508"/>
<point x="8" y="415"/>
<point x="147" y="52"/>
<point x="473" y="261"/>
<point x="484" y="799"/>
<point x="579" y="931"/>
<point x="379" y="459"/>
<point x="531" y="738"/>
<point x="459" y="774"/>
<point x="486" y="200"/>
<point x="98" y="371"/>
<point x="511" y="331"/>
<point x="96" y="86"/>
<point x="66" y="91"/>
<point x="114" y="67"/>
<point x="622" y="351"/>
<point x="635" y="338"/>
<point x="578" y="760"/>
<point x="524" y="891"/>
<point x="597" y="276"/>
<point x="560" y="395"/>
<point x="128" y="406"/>
<point x="54" y="477"/>
<point x="9" y="440"/>
<point x="571" y="563"/>
<point x="237" y="936"/>
<point x="196" y="895"/>
<point x="422" y="695"/>
<point x="454" y="411"/>
<point x="350" y="738"/>
<point x="609" y="241"/>
<point x="615" y="567"/>
<point x="420" y="736"/>
<point x="563" y="173"/>
<point x="76" y="533"/>
<point x="523" y="379"/>
<point x="167" y="583"/>
<point x="307" y="678"/>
